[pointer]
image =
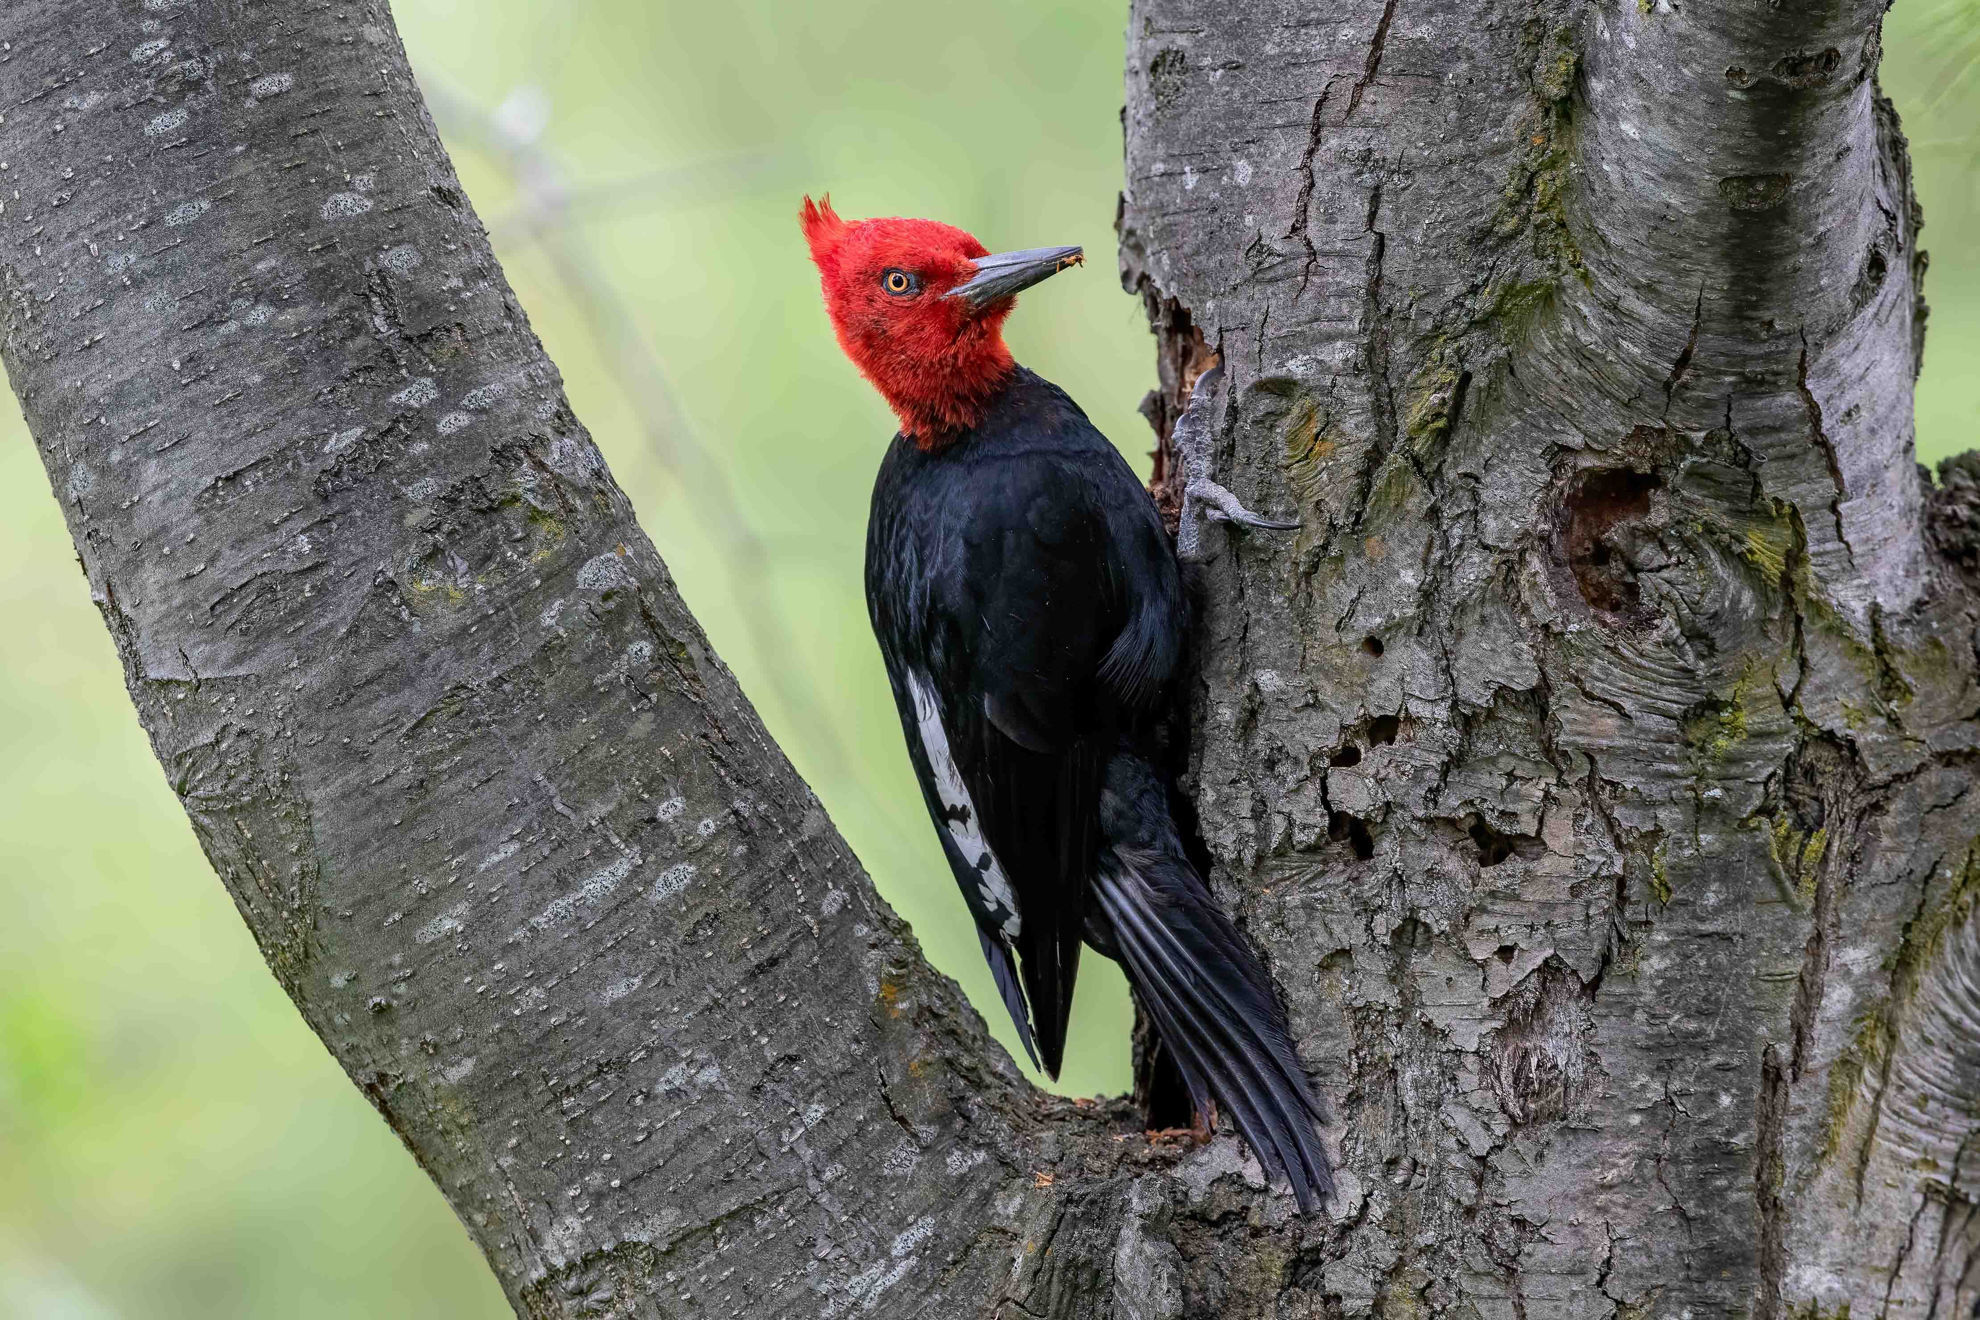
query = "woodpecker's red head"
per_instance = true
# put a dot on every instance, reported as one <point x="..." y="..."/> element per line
<point x="919" y="307"/>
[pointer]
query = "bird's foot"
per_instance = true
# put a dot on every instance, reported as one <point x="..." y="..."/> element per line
<point x="1219" y="505"/>
<point x="1205" y="500"/>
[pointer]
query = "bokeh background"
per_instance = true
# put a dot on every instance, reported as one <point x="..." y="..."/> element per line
<point x="173" y="1141"/>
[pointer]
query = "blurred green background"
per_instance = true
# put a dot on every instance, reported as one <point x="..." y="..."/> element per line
<point x="173" y="1141"/>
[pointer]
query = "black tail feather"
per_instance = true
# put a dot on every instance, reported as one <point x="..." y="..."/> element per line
<point x="1203" y="988"/>
<point x="1225" y="1041"/>
<point x="1004" y="971"/>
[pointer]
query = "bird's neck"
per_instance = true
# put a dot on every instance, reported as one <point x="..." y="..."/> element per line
<point x="940" y="396"/>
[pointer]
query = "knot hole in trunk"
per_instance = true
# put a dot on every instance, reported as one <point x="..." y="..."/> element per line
<point x="1604" y="510"/>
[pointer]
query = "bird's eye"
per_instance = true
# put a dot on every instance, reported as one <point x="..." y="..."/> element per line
<point x="899" y="283"/>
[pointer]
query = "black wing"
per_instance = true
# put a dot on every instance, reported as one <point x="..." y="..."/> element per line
<point x="1032" y="728"/>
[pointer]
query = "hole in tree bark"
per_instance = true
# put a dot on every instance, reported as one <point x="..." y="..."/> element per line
<point x="1808" y="69"/>
<point x="1493" y="847"/>
<point x="1382" y="730"/>
<point x="1168" y="74"/>
<point x="1601" y="502"/>
<point x="1372" y="645"/>
<point x="1349" y="755"/>
<point x="1876" y="268"/>
<point x="1353" y="831"/>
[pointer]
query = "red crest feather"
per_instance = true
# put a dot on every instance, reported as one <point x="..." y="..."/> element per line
<point x="822" y="227"/>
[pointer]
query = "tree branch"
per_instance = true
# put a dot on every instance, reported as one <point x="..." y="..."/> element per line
<point x="502" y="823"/>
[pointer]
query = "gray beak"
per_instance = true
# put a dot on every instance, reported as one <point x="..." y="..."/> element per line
<point x="1002" y="274"/>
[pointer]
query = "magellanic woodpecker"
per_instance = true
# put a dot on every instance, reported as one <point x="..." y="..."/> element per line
<point x="1030" y="610"/>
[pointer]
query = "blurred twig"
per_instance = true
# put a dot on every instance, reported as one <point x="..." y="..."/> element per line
<point x="546" y="214"/>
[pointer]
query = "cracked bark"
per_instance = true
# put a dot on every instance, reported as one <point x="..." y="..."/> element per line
<point x="1593" y="769"/>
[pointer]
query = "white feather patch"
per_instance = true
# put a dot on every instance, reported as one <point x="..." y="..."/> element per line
<point x="959" y="816"/>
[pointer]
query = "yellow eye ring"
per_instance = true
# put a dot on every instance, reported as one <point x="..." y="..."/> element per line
<point x="898" y="282"/>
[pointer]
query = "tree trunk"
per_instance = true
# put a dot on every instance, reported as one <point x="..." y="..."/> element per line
<point x="1592" y="769"/>
<point x="1596" y="765"/>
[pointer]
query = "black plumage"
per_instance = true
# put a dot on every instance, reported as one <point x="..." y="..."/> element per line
<point x="1029" y="607"/>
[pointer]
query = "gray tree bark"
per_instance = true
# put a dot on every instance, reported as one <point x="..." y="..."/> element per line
<point x="1593" y="769"/>
<point x="1596" y="767"/>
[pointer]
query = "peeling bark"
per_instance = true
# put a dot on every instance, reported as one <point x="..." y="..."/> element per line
<point x="1592" y="769"/>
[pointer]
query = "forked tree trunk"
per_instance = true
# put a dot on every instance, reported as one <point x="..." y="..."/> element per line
<point x="1593" y="768"/>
